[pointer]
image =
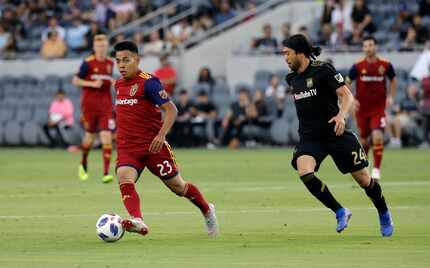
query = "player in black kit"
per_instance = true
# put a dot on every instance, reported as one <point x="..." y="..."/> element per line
<point x="317" y="89"/>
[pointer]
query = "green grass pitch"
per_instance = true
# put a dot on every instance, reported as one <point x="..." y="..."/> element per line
<point x="266" y="216"/>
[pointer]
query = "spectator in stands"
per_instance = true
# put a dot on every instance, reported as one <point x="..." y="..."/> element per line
<point x="204" y="114"/>
<point x="239" y="114"/>
<point x="424" y="10"/>
<point x="267" y="42"/>
<point x="53" y="26"/>
<point x="262" y="118"/>
<point x="276" y="93"/>
<point x="138" y="40"/>
<point x="285" y="31"/>
<point x="155" y="46"/>
<point x="304" y="30"/>
<point x="422" y="33"/>
<point x="60" y="119"/>
<point x="180" y="32"/>
<point x="94" y="29"/>
<point x="124" y="10"/>
<point x="205" y="77"/>
<point x="167" y="74"/>
<point x="325" y="36"/>
<point x="341" y="18"/>
<point x="53" y="47"/>
<point x="12" y="23"/>
<point x="407" y="115"/>
<point x="225" y="13"/>
<point x="421" y="69"/>
<point x="361" y="18"/>
<point x="6" y="42"/>
<point x="327" y="12"/>
<point x="182" y="131"/>
<point x="76" y="36"/>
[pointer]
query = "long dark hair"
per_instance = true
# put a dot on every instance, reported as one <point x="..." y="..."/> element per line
<point x="301" y="44"/>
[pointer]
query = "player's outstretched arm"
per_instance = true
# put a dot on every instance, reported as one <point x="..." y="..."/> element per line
<point x="170" y="113"/>
<point x="79" y="82"/>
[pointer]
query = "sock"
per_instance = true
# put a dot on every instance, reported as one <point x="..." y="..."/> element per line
<point x="193" y="194"/>
<point x="377" y="149"/>
<point x="85" y="151"/>
<point x="107" y="153"/>
<point x="131" y="199"/>
<point x="320" y="191"/>
<point x="374" y="192"/>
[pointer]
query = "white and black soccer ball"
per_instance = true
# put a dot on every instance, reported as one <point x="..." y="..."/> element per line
<point x="109" y="227"/>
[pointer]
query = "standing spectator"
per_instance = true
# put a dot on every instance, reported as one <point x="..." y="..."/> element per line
<point x="225" y="13"/>
<point x="60" y="119"/>
<point x="53" y="47"/>
<point x="267" y="42"/>
<point x="204" y="114"/>
<point x="205" y="77"/>
<point x="181" y="131"/>
<point x="76" y="36"/>
<point x="167" y="75"/>
<point x="53" y="26"/>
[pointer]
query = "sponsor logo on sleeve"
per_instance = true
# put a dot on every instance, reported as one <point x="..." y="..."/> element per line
<point x="163" y="94"/>
<point x="339" y="78"/>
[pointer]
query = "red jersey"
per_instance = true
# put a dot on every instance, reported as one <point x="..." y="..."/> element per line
<point x="96" y="100"/>
<point x="371" y="89"/>
<point x="167" y="72"/>
<point x="138" y="115"/>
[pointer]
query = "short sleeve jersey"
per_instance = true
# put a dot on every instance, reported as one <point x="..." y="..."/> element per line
<point x="138" y="115"/>
<point x="97" y="100"/>
<point x="371" y="80"/>
<point x="315" y="98"/>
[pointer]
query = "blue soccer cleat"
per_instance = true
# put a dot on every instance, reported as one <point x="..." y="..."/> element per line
<point x="342" y="216"/>
<point x="386" y="222"/>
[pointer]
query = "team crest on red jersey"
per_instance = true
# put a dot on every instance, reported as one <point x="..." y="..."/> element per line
<point x="381" y="69"/>
<point x="134" y="89"/>
<point x="163" y="94"/>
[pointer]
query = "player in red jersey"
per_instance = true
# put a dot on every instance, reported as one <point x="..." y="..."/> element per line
<point x="141" y="139"/>
<point x="371" y="74"/>
<point x="95" y="78"/>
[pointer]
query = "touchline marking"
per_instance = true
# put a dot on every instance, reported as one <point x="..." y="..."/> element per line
<point x="232" y="188"/>
<point x="269" y="210"/>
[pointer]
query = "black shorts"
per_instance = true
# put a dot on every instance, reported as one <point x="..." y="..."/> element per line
<point x="346" y="151"/>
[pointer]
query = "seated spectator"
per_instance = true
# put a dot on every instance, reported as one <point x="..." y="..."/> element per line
<point x="60" y="119"/>
<point x="327" y="12"/>
<point x="407" y="114"/>
<point x="204" y="114"/>
<point x="6" y="41"/>
<point x="76" y="36"/>
<point x="276" y="92"/>
<point x="93" y="30"/>
<point x="325" y="36"/>
<point x="361" y="18"/>
<point x="421" y="68"/>
<point x="341" y="18"/>
<point x="267" y="42"/>
<point x="155" y="46"/>
<point x="181" y="31"/>
<point x="241" y="112"/>
<point x="422" y="32"/>
<point x="54" y="47"/>
<point x="53" y="26"/>
<point x="138" y="40"/>
<point x="205" y="77"/>
<point x="262" y="116"/>
<point x="124" y="10"/>
<point x="225" y="13"/>
<point x="285" y="31"/>
<point x="167" y="75"/>
<point x="181" y="132"/>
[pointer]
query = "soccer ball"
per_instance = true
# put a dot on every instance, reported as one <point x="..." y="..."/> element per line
<point x="109" y="227"/>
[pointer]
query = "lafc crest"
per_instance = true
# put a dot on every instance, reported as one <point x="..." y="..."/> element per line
<point x="134" y="89"/>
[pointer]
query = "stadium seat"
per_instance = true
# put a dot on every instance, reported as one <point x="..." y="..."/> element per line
<point x="40" y="115"/>
<point x="24" y="114"/>
<point x="6" y="114"/>
<point x="279" y="131"/>
<point x="30" y="133"/>
<point x="13" y="134"/>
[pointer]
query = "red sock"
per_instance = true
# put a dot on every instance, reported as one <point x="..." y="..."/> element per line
<point x="107" y="153"/>
<point x="378" y="150"/>
<point x="131" y="199"/>
<point x="193" y="194"/>
<point x="85" y="151"/>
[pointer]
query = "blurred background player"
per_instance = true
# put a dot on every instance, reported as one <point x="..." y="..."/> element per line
<point x="141" y="139"/>
<point x="95" y="78"/>
<point x="371" y="99"/>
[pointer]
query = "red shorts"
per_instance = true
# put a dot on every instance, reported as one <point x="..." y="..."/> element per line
<point x="366" y="123"/>
<point x="162" y="164"/>
<point x="94" y="122"/>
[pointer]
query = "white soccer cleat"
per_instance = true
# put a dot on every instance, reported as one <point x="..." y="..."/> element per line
<point x="135" y="225"/>
<point x="211" y="221"/>
<point x="376" y="173"/>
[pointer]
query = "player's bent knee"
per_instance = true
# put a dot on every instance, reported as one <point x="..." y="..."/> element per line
<point x="177" y="185"/>
<point x="362" y="177"/>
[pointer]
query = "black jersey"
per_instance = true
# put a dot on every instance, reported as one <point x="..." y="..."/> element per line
<point x="314" y="93"/>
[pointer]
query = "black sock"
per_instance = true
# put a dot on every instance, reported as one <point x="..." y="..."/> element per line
<point x="374" y="192"/>
<point x="320" y="191"/>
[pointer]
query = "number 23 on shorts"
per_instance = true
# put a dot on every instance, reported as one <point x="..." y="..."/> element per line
<point x="359" y="156"/>
<point x="165" y="168"/>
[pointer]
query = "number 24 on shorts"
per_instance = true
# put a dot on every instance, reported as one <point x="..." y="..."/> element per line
<point x="359" y="156"/>
<point x="163" y="166"/>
